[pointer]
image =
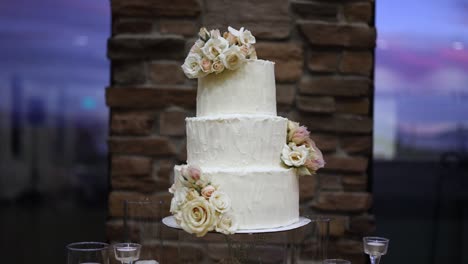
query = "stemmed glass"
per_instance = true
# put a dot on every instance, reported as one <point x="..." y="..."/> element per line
<point x="88" y="253"/>
<point x="336" y="261"/>
<point x="127" y="253"/>
<point x="375" y="247"/>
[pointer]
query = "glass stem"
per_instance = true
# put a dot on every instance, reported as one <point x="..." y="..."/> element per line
<point x="374" y="259"/>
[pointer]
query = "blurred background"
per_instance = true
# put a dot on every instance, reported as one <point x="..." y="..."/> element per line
<point x="53" y="127"/>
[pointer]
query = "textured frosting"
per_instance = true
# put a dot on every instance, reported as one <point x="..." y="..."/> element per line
<point x="235" y="141"/>
<point x="261" y="197"/>
<point x="247" y="90"/>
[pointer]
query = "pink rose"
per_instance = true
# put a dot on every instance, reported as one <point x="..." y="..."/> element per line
<point x="205" y="65"/>
<point x="300" y="135"/>
<point x="316" y="160"/>
<point x="208" y="191"/>
<point x="194" y="172"/>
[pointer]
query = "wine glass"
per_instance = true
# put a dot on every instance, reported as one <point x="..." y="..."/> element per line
<point x="336" y="261"/>
<point x="88" y="253"/>
<point x="127" y="253"/>
<point x="375" y="247"/>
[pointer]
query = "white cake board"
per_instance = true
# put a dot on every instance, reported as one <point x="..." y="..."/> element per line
<point x="170" y="222"/>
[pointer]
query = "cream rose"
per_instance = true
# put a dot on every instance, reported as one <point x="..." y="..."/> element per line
<point x="198" y="217"/>
<point x="214" y="47"/>
<point x="245" y="36"/>
<point x="205" y="65"/>
<point x="196" y="48"/>
<point x="217" y="67"/>
<point x="204" y="34"/>
<point x="232" y="58"/>
<point x="180" y="197"/>
<point x="192" y="194"/>
<point x="203" y="181"/>
<point x="191" y="66"/>
<point x="208" y="191"/>
<point x="220" y="201"/>
<point x="227" y="224"/>
<point x="230" y="38"/>
<point x="294" y="156"/>
<point x="292" y="127"/>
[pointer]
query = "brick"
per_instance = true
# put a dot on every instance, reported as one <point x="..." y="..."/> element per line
<point x="331" y="34"/>
<point x="349" y="246"/>
<point x="315" y="11"/>
<point x="343" y="201"/>
<point x="362" y="224"/>
<point x="353" y="124"/>
<point x="141" y="146"/>
<point x="151" y="97"/>
<point x="354" y="182"/>
<point x="128" y="72"/>
<point x="315" y="123"/>
<point x="359" y="106"/>
<point x="272" y="23"/>
<point x="288" y="62"/>
<point x="138" y="184"/>
<point x="146" y="47"/>
<point x="155" y="8"/>
<point x="324" y="142"/>
<point x="182" y="157"/>
<point x="132" y="122"/>
<point x="166" y="73"/>
<point x="172" y="123"/>
<point x="338" y="225"/>
<point x="357" y="62"/>
<point x="345" y="164"/>
<point x="186" y="28"/>
<point x="132" y="26"/>
<point x="285" y="94"/>
<point x="130" y="165"/>
<point x="117" y="199"/>
<point x="307" y="187"/>
<point x="356" y="144"/>
<point x="323" y="61"/>
<point x="330" y="182"/>
<point x="334" y="86"/>
<point x="115" y="230"/>
<point x="358" y="12"/>
<point x="165" y="169"/>
<point x="322" y="104"/>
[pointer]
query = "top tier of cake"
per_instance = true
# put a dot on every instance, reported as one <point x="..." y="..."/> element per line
<point x="247" y="90"/>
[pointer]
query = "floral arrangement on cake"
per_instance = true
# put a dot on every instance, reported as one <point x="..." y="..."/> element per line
<point x="300" y="151"/>
<point x="214" y="53"/>
<point x="199" y="206"/>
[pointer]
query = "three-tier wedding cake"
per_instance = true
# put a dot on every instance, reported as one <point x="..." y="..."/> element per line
<point x="243" y="161"/>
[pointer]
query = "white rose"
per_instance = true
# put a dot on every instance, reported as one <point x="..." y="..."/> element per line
<point x="180" y="197"/>
<point x="191" y="66"/>
<point x="215" y="33"/>
<point x="196" y="48"/>
<point x="220" y="201"/>
<point x="198" y="217"/>
<point x="294" y="156"/>
<point x="204" y="34"/>
<point x="203" y="181"/>
<point x="245" y="36"/>
<point x="217" y="67"/>
<point x="227" y="224"/>
<point x="232" y="58"/>
<point x="214" y="47"/>
<point x="192" y="194"/>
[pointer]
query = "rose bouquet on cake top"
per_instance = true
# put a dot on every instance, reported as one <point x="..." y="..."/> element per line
<point x="300" y="151"/>
<point x="199" y="206"/>
<point x="214" y="53"/>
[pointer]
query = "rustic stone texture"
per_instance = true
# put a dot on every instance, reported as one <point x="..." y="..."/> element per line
<point x="186" y="28"/>
<point x="354" y="182"/>
<point x="315" y="123"/>
<point x="353" y="124"/>
<point x="307" y="187"/>
<point x="117" y="199"/>
<point x="288" y="58"/>
<point x="132" y="122"/>
<point x="315" y="11"/>
<point x="131" y="165"/>
<point x="125" y="47"/>
<point x="362" y="224"/>
<point x="323" y="61"/>
<point x="334" y="86"/>
<point x="358" y="106"/>
<point x="330" y="34"/>
<point x="358" y="12"/>
<point x="330" y="182"/>
<point x="272" y="23"/>
<point x="165" y="169"/>
<point x="322" y="104"/>
<point x="155" y="8"/>
<point x="166" y="72"/>
<point x="285" y="94"/>
<point x="141" y="146"/>
<point x="182" y="156"/>
<point x="342" y="201"/>
<point x="338" y="225"/>
<point x="357" y="62"/>
<point x="356" y="144"/>
<point x="155" y="98"/>
<point x="326" y="143"/>
<point x="128" y="72"/>
<point x="132" y="26"/>
<point x="346" y="164"/>
<point x="138" y="184"/>
<point x="172" y="123"/>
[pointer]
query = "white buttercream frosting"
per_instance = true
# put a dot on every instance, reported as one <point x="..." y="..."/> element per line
<point x="261" y="197"/>
<point x="235" y="141"/>
<point x="247" y="90"/>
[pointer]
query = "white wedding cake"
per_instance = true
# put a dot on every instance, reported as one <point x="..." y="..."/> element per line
<point x="243" y="160"/>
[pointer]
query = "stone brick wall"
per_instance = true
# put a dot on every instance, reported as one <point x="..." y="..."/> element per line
<point x="324" y="54"/>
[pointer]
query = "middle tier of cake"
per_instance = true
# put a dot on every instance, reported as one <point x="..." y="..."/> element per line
<point x="236" y="141"/>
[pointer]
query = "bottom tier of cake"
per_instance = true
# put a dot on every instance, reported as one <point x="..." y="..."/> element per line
<point x="261" y="198"/>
